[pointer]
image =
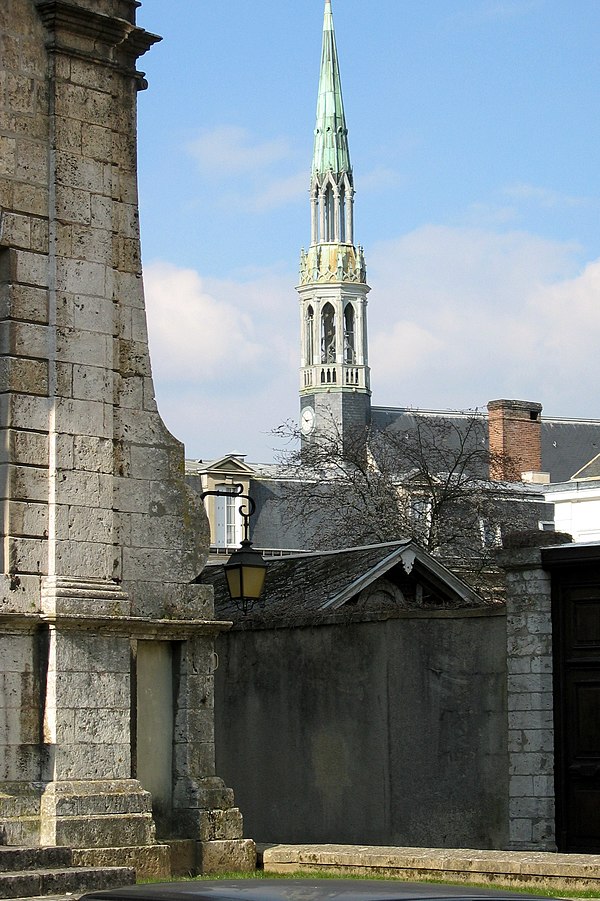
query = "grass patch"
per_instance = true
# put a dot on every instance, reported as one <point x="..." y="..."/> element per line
<point x="328" y="874"/>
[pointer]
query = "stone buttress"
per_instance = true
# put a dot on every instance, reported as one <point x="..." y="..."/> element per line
<point x="100" y="537"/>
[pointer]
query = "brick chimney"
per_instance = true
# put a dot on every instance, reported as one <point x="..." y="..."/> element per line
<point x="515" y="431"/>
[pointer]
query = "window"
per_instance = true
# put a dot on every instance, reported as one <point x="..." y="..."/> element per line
<point x="349" y="346"/>
<point x="228" y="521"/>
<point x="308" y="336"/>
<point x="328" y="334"/>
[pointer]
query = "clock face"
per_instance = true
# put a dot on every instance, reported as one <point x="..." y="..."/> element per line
<point x="307" y="420"/>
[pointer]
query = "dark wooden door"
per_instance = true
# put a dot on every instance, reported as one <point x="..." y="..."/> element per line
<point x="576" y="624"/>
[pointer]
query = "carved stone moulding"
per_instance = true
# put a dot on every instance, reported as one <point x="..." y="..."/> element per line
<point x="65" y="21"/>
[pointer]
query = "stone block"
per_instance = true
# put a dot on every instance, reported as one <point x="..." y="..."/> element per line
<point x="543" y="786"/>
<point x="20" y="763"/>
<point x="151" y="862"/>
<point x="20" y="725"/>
<point x="81" y="417"/>
<point x="91" y="730"/>
<point x="26" y="483"/>
<point x="75" y="345"/>
<point x="521" y="786"/>
<point x="32" y="199"/>
<point x="32" y="269"/>
<point x="84" y="690"/>
<point x="76" y="171"/>
<point x="183" y="857"/>
<point x="531" y="807"/>
<point x="39" y="235"/>
<point x="194" y="725"/>
<point x="24" y="339"/>
<point x="73" y="205"/>
<point x="24" y="412"/>
<point x="15" y="230"/>
<point x="131" y="495"/>
<point x="83" y="103"/>
<point x="28" y="555"/>
<point x="530" y="701"/>
<point x="92" y="383"/>
<point x="81" y="277"/>
<point x="530" y="764"/>
<point x="194" y="758"/>
<point x="24" y="302"/>
<point x="19" y="594"/>
<point x="8" y="149"/>
<point x="90" y="244"/>
<point x="134" y="360"/>
<point x="204" y="793"/>
<point x="530" y="719"/>
<point x="17" y="657"/>
<point x="227" y="856"/>
<point x="93" y="761"/>
<point x="93" y="454"/>
<point x="84" y="559"/>
<point x="20" y="93"/>
<point x="101" y="210"/>
<point x="24" y="375"/>
<point x="93" y="314"/>
<point x="68" y="134"/>
<point x="96" y="143"/>
<point x="87" y="524"/>
<point x="32" y="162"/>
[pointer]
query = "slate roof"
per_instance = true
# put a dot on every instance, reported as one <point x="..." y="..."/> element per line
<point x="590" y="471"/>
<point x="317" y="587"/>
<point x="567" y="444"/>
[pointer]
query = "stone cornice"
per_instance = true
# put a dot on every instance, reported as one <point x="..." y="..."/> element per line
<point x="62" y="19"/>
<point x="128" y="626"/>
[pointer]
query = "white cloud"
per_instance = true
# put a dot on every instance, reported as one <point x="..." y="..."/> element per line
<point x="460" y="316"/>
<point x="231" y="150"/>
<point x="192" y="333"/>
<point x="224" y="357"/>
<point x="245" y="174"/>
<point x="278" y="192"/>
<point x="544" y="197"/>
<point x="457" y="317"/>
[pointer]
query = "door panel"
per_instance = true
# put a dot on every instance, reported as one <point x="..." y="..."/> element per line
<point x="576" y="622"/>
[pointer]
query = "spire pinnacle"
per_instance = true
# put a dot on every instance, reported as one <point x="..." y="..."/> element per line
<point x="331" y="134"/>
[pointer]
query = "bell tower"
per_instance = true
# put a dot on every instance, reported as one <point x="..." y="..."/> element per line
<point x="334" y="373"/>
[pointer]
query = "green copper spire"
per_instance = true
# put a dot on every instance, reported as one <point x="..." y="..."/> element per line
<point x="331" y="135"/>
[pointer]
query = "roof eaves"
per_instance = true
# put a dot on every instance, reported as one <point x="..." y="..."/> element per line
<point x="405" y="552"/>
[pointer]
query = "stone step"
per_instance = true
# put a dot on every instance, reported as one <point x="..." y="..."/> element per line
<point x="16" y="859"/>
<point x="63" y="881"/>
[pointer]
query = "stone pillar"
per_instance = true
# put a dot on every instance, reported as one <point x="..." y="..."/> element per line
<point x="101" y="537"/>
<point x="530" y="699"/>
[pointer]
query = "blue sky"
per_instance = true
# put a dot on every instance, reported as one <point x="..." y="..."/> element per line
<point x="474" y="135"/>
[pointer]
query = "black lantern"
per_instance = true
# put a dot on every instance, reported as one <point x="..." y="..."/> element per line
<point x="245" y="570"/>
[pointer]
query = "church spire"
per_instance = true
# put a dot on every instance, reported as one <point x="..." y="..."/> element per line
<point x="334" y="372"/>
<point x="331" y="134"/>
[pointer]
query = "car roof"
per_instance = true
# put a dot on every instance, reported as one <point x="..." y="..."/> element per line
<point x="298" y="890"/>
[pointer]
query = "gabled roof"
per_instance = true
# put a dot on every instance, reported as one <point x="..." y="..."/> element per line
<point x="317" y="587"/>
<point x="231" y="464"/>
<point x="591" y="470"/>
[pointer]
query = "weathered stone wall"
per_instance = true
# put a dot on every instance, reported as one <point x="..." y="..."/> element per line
<point x="101" y="538"/>
<point x="390" y="732"/>
<point x="530" y="701"/>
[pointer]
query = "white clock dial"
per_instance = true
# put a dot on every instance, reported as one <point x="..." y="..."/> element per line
<point x="307" y="420"/>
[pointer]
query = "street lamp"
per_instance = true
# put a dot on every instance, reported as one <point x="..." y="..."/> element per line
<point x="245" y="570"/>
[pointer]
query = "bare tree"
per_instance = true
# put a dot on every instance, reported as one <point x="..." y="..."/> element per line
<point x="429" y="482"/>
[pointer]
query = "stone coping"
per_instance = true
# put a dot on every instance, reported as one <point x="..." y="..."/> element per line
<point x="518" y="868"/>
